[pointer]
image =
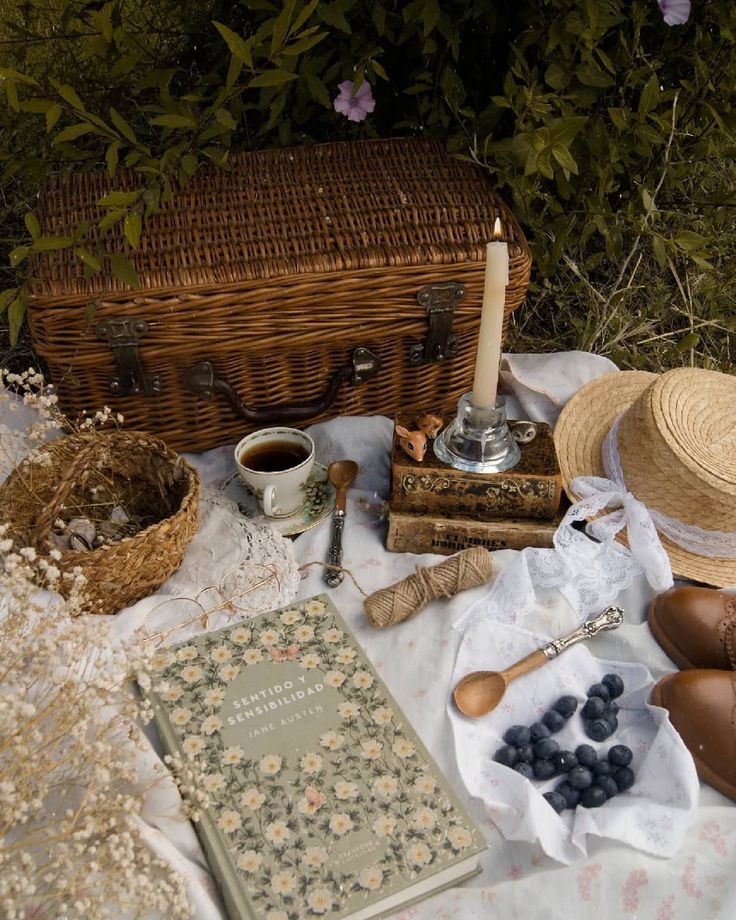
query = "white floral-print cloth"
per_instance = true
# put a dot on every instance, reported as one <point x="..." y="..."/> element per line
<point x="416" y="659"/>
<point x="654" y="815"/>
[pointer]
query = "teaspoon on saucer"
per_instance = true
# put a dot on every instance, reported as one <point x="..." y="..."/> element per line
<point x="341" y="474"/>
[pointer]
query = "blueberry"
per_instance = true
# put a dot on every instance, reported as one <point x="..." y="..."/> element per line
<point x="543" y="769"/>
<point x="580" y="777"/>
<point x="620" y="755"/>
<point x="538" y="731"/>
<point x="612" y="708"/>
<point x="624" y="778"/>
<point x="517" y="735"/>
<point x="525" y="769"/>
<point x="601" y="691"/>
<point x="593" y="797"/>
<point x="612" y="722"/>
<point x="586" y="755"/>
<point x="614" y="684"/>
<point x="565" y="761"/>
<point x="572" y="795"/>
<point x="546" y="748"/>
<point x="608" y="785"/>
<point x="506" y="755"/>
<point x="556" y="800"/>
<point x="594" y="708"/>
<point x="525" y="753"/>
<point x="602" y="768"/>
<point x="566" y="706"/>
<point x="598" y="729"/>
<point x="553" y="720"/>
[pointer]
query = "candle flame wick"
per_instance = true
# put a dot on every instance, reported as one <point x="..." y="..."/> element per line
<point x="497" y="229"/>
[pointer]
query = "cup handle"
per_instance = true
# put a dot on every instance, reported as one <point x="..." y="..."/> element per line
<point x="269" y="496"/>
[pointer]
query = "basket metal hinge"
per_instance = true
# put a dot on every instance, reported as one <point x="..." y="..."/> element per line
<point x="440" y="300"/>
<point x="122" y="334"/>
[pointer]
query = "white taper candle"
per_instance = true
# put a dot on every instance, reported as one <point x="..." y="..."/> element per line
<point x="485" y="381"/>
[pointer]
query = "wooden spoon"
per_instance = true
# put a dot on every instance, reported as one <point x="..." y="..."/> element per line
<point x="479" y="692"/>
<point x="341" y="474"/>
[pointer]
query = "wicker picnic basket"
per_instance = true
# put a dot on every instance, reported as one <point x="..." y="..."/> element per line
<point x="150" y="480"/>
<point x="297" y="285"/>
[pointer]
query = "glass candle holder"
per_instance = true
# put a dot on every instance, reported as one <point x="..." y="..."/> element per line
<point x="478" y="439"/>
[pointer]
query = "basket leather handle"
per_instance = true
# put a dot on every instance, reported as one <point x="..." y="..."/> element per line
<point x="200" y="379"/>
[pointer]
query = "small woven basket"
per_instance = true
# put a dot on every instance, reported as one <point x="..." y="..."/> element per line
<point x="157" y="484"/>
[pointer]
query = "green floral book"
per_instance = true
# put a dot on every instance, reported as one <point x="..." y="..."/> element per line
<point x="327" y="804"/>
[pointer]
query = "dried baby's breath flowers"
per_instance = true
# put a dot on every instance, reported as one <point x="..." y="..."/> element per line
<point x="71" y="797"/>
<point x="29" y="389"/>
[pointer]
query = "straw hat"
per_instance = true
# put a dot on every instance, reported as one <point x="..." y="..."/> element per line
<point x="677" y="447"/>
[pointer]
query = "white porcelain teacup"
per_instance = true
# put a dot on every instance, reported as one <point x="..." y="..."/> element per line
<point x="275" y="464"/>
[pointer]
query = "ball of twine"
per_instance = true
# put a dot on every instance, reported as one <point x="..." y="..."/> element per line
<point x="466" y="569"/>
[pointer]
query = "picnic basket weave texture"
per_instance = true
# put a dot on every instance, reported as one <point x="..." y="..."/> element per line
<point x="274" y="270"/>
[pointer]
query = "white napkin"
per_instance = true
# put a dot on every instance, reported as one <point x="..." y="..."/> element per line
<point x="653" y="815"/>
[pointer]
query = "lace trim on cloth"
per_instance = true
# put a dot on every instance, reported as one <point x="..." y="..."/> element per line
<point x="589" y="575"/>
<point x="232" y="554"/>
<point x="587" y="566"/>
<point x="233" y="569"/>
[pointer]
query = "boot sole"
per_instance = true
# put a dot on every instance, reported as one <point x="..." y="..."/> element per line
<point x="679" y="657"/>
<point x="706" y="773"/>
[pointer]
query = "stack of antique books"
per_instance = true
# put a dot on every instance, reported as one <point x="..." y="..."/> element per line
<point x="435" y="508"/>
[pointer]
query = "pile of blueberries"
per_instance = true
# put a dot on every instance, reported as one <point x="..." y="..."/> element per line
<point x="589" y="780"/>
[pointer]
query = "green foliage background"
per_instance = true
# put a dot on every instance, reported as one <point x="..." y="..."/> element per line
<point x="610" y="133"/>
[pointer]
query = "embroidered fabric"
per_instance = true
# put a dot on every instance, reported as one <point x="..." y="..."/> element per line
<point x="588" y="574"/>
<point x="241" y="559"/>
<point x="587" y="566"/>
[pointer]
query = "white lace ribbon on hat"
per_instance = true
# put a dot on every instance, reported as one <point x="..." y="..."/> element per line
<point x="715" y="544"/>
<point x="590" y="573"/>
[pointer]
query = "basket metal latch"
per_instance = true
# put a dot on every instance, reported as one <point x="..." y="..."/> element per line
<point x="440" y="300"/>
<point x="122" y="334"/>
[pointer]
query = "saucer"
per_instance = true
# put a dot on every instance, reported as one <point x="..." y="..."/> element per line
<point x="319" y="504"/>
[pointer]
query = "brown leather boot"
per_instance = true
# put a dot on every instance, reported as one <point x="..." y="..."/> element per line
<point x="696" y="627"/>
<point x="702" y="708"/>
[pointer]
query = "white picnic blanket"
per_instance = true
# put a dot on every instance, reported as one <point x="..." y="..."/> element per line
<point x="520" y="879"/>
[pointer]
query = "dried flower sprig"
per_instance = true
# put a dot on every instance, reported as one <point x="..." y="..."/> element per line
<point x="71" y="796"/>
<point x="29" y="389"/>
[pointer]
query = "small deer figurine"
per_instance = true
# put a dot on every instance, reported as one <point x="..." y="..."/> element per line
<point x="430" y="424"/>
<point x="413" y="443"/>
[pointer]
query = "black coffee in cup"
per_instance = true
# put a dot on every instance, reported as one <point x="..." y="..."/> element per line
<point x="274" y="457"/>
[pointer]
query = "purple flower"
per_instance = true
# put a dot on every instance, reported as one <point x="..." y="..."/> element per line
<point x="675" y="12"/>
<point x="355" y="107"/>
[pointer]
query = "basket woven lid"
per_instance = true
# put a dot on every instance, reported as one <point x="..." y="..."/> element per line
<point x="273" y="213"/>
<point x="677" y="448"/>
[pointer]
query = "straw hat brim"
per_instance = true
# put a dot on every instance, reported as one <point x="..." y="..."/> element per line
<point x="579" y="434"/>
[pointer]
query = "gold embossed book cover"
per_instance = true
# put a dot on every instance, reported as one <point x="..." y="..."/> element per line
<point x="326" y="804"/>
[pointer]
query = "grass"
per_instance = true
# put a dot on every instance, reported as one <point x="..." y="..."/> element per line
<point x="655" y="321"/>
